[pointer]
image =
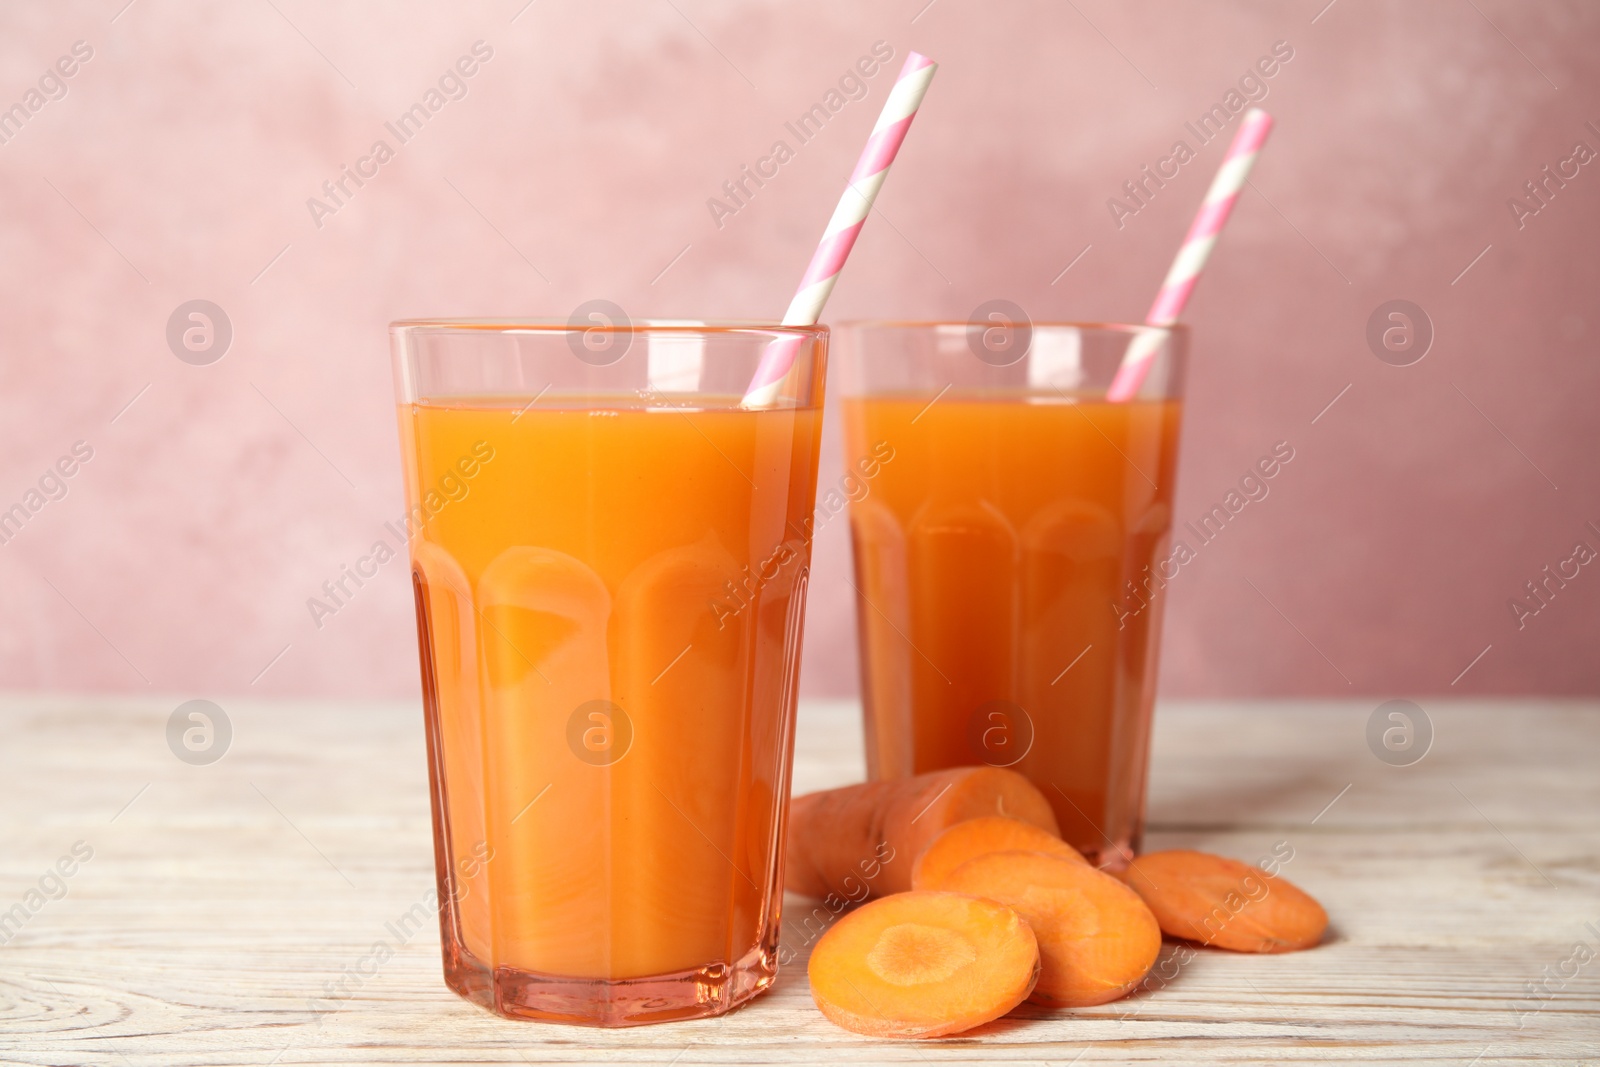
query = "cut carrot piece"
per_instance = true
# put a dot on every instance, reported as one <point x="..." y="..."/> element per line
<point x="860" y="841"/>
<point x="1097" y="939"/>
<point x="1225" y="903"/>
<point x="975" y="837"/>
<point x="923" y="965"/>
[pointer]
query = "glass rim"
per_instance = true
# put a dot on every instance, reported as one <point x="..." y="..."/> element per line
<point x="1176" y="329"/>
<point x="559" y="326"/>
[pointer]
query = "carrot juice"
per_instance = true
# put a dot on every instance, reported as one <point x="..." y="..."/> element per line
<point x="993" y="559"/>
<point x="609" y="596"/>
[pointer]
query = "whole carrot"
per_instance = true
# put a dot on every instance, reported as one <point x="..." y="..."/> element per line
<point x="860" y="841"/>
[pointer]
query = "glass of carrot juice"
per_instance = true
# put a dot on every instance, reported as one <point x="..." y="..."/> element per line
<point x="1010" y="559"/>
<point x="610" y="555"/>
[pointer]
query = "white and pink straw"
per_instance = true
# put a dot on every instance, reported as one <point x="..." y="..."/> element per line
<point x="1191" y="258"/>
<point x="840" y="236"/>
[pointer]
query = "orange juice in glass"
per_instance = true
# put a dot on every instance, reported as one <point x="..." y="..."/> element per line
<point x="1009" y="560"/>
<point x="610" y="559"/>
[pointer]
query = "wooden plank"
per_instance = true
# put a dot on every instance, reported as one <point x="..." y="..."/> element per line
<point x="225" y="899"/>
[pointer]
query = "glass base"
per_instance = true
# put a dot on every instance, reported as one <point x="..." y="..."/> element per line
<point x="693" y="994"/>
<point x="1113" y="857"/>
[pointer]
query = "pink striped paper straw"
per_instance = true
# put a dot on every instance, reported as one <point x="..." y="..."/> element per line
<point x="1191" y="258"/>
<point x="840" y="236"/>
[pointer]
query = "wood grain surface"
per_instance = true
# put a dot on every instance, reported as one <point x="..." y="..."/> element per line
<point x="223" y="903"/>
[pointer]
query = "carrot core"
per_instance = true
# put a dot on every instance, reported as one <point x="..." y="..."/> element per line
<point x="910" y="954"/>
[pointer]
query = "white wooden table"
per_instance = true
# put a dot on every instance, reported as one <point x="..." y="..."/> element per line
<point x="221" y="900"/>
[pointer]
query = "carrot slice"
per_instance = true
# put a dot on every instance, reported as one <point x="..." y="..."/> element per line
<point x="1225" y="903"/>
<point x="1097" y="940"/>
<point x="975" y="837"/>
<point x="923" y="965"/>
<point x="860" y="841"/>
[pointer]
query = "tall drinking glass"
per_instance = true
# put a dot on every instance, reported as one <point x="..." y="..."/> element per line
<point x="610" y="559"/>
<point x="1010" y="556"/>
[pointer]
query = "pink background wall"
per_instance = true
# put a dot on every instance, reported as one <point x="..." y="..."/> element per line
<point x="179" y="162"/>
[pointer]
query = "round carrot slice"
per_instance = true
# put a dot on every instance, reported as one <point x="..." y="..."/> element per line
<point x="923" y="965"/>
<point x="1097" y="940"/>
<point x="975" y="837"/>
<point x="1222" y="902"/>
